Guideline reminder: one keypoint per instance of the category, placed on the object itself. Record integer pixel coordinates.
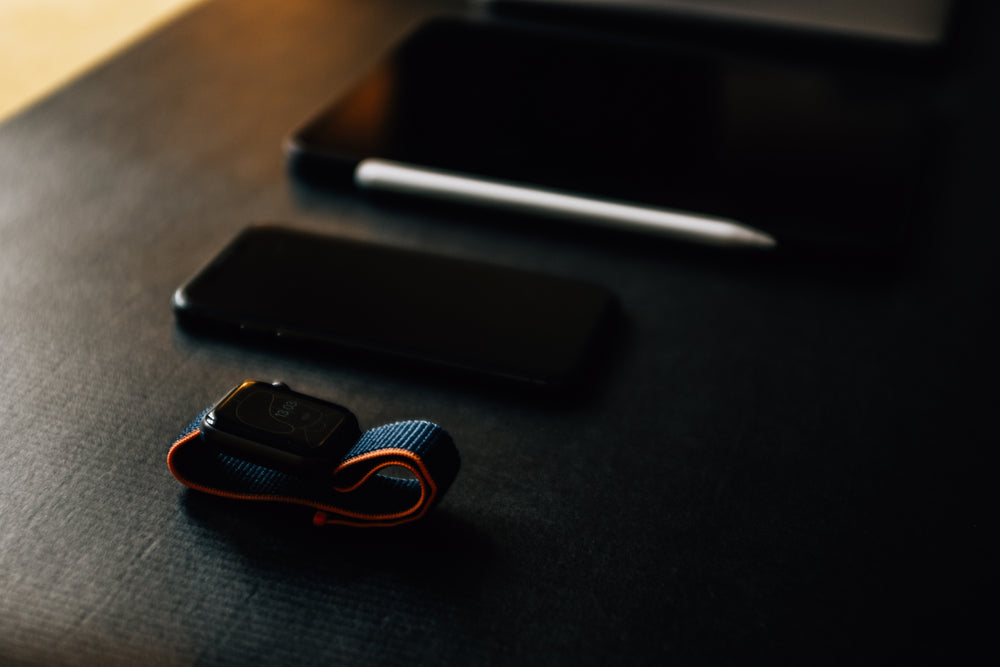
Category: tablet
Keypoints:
(821, 157)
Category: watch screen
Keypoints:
(279, 417)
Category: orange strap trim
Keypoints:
(328, 513)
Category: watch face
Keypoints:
(278, 417)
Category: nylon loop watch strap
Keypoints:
(356, 494)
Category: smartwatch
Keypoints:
(275, 427)
(264, 442)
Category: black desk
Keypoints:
(782, 462)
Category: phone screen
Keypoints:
(311, 289)
(821, 156)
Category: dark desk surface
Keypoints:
(782, 462)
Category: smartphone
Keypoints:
(346, 297)
(825, 156)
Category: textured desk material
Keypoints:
(781, 462)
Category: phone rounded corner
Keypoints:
(179, 301)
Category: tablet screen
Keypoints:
(828, 156)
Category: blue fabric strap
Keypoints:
(392, 475)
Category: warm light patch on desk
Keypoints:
(45, 43)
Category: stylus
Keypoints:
(395, 177)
